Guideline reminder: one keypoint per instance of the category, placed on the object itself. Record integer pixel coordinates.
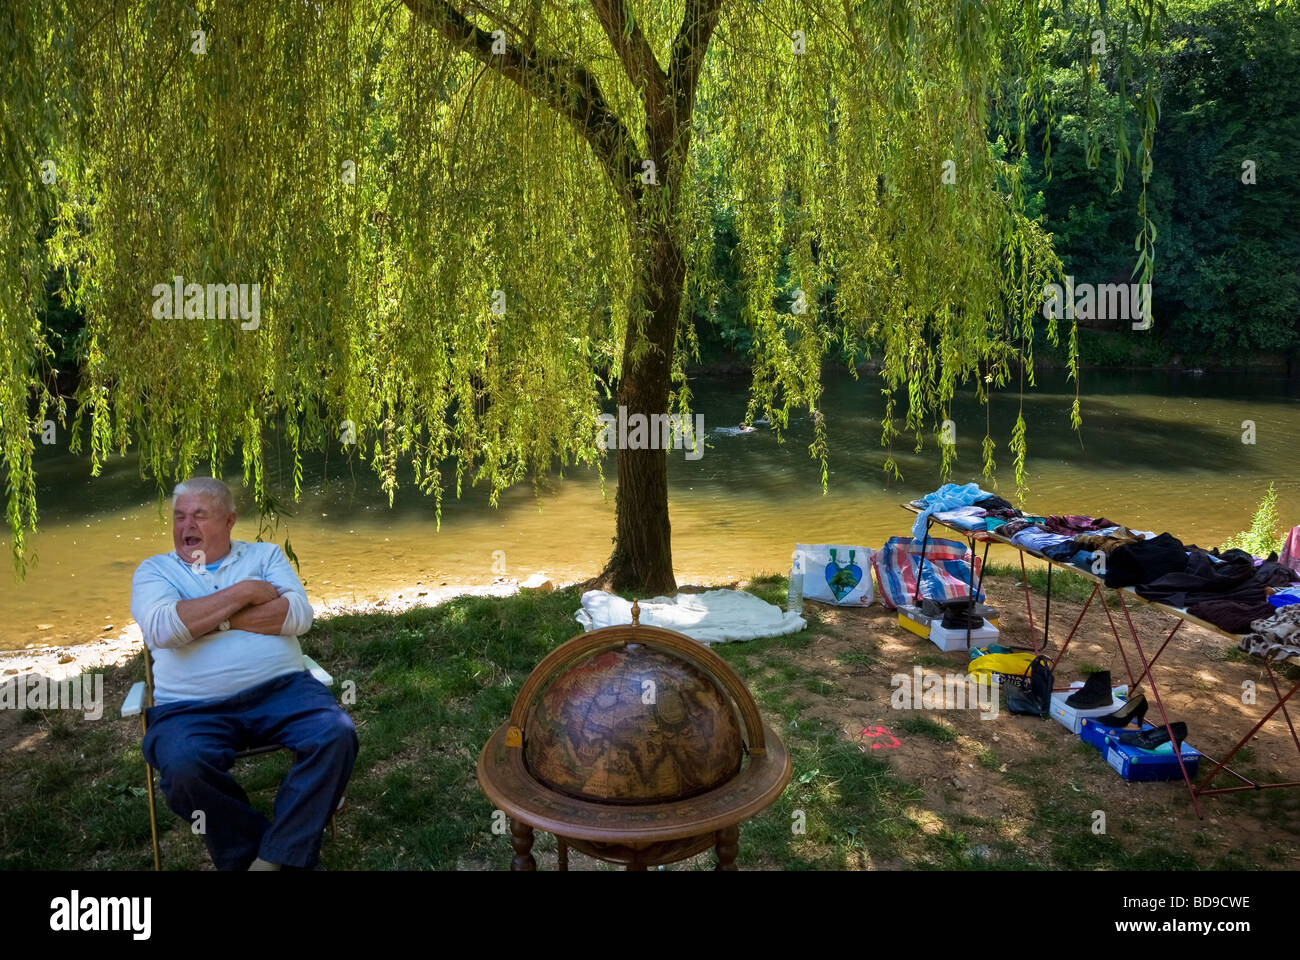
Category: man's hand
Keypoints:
(265, 618)
(257, 591)
(203, 615)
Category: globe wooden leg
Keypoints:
(728, 846)
(562, 853)
(521, 838)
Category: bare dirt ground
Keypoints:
(1001, 767)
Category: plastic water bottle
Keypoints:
(795, 597)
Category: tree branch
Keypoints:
(687, 56)
(628, 41)
(567, 87)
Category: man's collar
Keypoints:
(237, 548)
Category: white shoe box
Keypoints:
(948, 640)
(1072, 719)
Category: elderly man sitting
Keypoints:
(223, 618)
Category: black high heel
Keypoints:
(1134, 708)
(1155, 737)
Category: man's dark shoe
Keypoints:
(1095, 692)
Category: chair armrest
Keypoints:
(134, 702)
(317, 671)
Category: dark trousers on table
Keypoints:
(193, 743)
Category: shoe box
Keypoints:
(912, 619)
(1072, 718)
(947, 639)
(1135, 764)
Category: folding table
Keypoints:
(1181, 616)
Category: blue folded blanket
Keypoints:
(947, 497)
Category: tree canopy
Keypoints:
(472, 223)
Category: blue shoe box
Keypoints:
(1133, 763)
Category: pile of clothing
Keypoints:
(967, 507)
(1276, 637)
(1230, 589)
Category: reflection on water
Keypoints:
(1158, 452)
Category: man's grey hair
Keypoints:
(208, 486)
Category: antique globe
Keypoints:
(635, 745)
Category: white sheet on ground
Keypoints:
(713, 617)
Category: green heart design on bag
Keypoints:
(842, 579)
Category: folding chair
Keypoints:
(140, 697)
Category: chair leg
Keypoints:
(153, 810)
(335, 816)
(153, 817)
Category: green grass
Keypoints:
(1066, 584)
(431, 686)
(919, 723)
(934, 660)
(859, 658)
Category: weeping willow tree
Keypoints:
(461, 227)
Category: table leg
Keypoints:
(728, 846)
(970, 592)
(1281, 702)
(920, 567)
(1223, 764)
(1119, 644)
(1155, 692)
(1047, 614)
(1073, 630)
(561, 853)
(521, 838)
(1029, 607)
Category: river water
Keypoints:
(1156, 451)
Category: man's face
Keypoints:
(201, 528)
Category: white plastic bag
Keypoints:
(836, 574)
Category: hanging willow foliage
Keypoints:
(450, 216)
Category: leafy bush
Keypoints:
(1262, 538)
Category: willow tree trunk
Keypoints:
(643, 556)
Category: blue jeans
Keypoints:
(193, 744)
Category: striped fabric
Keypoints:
(946, 575)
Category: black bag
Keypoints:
(1035, 698)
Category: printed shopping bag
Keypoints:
(836, 574)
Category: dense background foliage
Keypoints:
(1227, 284)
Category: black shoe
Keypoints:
(1155, 737)
(1134, 709)
(1095, 692)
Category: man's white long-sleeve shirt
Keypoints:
(222, 663)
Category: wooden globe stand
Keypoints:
(637, 836)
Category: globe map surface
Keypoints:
(633, 725)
